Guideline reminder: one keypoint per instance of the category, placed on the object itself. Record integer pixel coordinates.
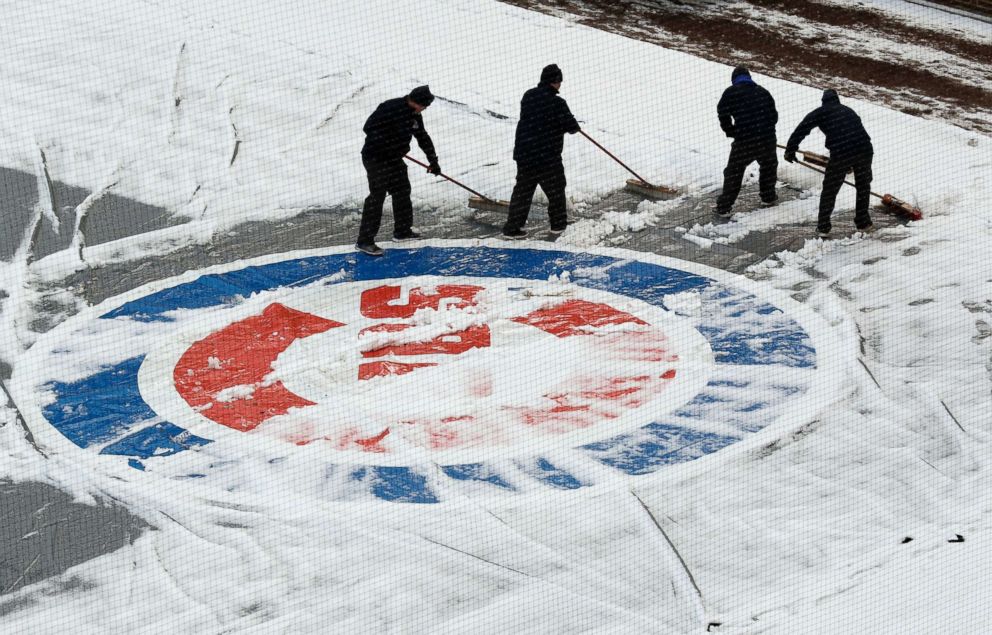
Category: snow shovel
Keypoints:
(894, 205)
(818, 160)
(638, 185)
(479, 201)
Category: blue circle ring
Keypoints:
(770, 353)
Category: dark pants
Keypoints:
(385, 178)
(836, 170)
(551, 178)
(743, 152)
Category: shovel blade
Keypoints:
(820, 160)
(638, 186)
(487, 205)
(813, 158)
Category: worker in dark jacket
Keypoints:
(388, 131)
(747, 115)
(544, 120)
(850, 148)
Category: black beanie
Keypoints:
(422, 95)
(551, 74)
(740, 70)
(830, 96)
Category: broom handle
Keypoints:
(811, 167)
(445, 176)
(612, 156)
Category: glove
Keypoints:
(434, 168)
(790, 156)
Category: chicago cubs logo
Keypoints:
(430, 373)
(437, 368)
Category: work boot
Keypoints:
(515, 234)
(558, 230)
(768, 202)
(723, 213)
(371, 249)
(867, 229)
(405, 236)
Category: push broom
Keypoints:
(479, 201)
(638, 185)
(895, 205)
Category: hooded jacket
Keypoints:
(388, 131)
(747, 111)
(844, 132)
(544, 120)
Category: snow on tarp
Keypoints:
(807, 532)
(233, 370)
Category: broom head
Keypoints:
(651, 191)
(488, 205)
(902, 208)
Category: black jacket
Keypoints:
(389, 129)
(747, 112)
(544, 120)
(845, 135)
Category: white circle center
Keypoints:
(463, 375)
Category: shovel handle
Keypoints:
(613, 156)
(445, 176)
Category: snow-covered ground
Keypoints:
(227, 111)
(916, 59)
